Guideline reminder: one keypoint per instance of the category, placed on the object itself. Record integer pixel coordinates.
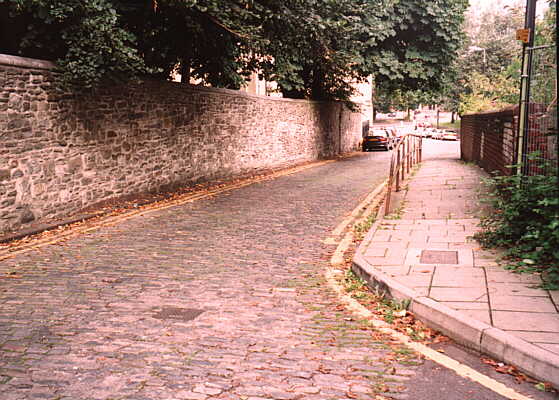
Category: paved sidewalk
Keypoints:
(424, 252)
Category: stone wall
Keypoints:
(61, 152)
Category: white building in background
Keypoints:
(362, 97)
(261, 87)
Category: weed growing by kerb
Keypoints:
(525, 222)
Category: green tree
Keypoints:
(424, 41)
(312, 48)
(488, 64)
(544, 68)
(83, 36)
(412, 64)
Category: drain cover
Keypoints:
(438, 257)
(182, 314)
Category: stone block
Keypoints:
(4, 174)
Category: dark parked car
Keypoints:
(378, 139)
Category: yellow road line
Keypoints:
(150, 208)
(441, 359)
(338, 230)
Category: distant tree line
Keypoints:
(312, 48)
(489, 64)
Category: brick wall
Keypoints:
(489, 139)
(61, 152)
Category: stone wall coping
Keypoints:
(24, 62)
(240, 93)
(31, 63)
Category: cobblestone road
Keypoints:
(218, 299)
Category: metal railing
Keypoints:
(407, 153)
(539, 136)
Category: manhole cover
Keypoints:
(182, 314)
(438, 257)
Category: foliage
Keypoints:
(425, 39)
(526, 223)
(544, 67)
(487, 69)
(483, 93)
(388, 99)
(450, 125)
(311, 48)
(83, 35)
(315, 46)
(490, 61)
(412, 65)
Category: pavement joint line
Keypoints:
(491, 322)
(113, 220)
(441, 359)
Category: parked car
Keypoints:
(449, 135)
(423, 132)
(436, 134)
(379, 139)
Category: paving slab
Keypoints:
(462, 294)
(524, 303)
(530, 321)
(454, 284)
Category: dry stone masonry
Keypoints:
(61, 152)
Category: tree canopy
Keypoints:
(311, 48)
(488, 65)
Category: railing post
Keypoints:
(398, 168)
(417, 155)
(417, 140)
(413, 150)
(408, 153)
(403, 162)
(389, 186)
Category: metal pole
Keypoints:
(529, 23)
(403, 167)
(408, 153)
(398, 169)
(389, 186)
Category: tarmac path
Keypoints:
(222, 298)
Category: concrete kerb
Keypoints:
(469, 332)
(533, 360)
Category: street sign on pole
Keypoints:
(523, 35)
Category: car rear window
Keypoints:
(378, 133)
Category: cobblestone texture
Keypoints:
(62, 152)
(219, 299)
